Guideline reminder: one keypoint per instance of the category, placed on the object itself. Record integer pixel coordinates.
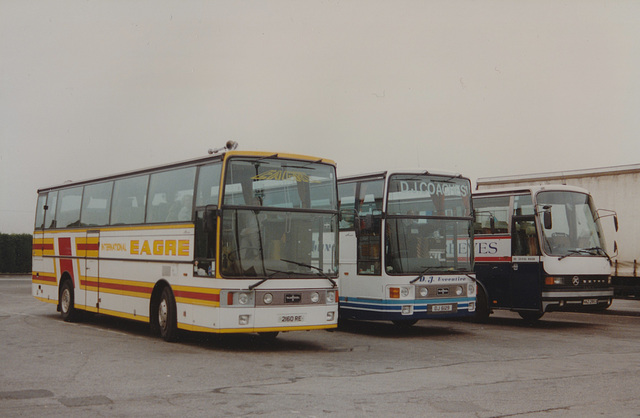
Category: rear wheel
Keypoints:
(166, 315)
(66, 302)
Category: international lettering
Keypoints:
(113, 247)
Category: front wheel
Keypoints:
(166, 315)
(404, 323)
(268, 336)
(482, 307)
(530, 316)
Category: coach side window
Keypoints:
(68, 212)
(50, 215)
(171, 196)
(346, 204)
(96, 204)
(524, 240)
(206, 218)
(369, 207)
(40, 211)
(129, 199)
(491, 215)
(208, 185)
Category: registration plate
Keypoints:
(441, 308)
(291, 319)
(590, 302)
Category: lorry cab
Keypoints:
(539, 249)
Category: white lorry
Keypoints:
(616, 189)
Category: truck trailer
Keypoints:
(616, 190)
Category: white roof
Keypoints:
(402, 171)
(558, 175)
(531, 188)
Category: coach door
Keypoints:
(90, 282)
(525, 283)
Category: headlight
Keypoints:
(404, 292)
(458, 290)
(471, 289)
(315, 297)
(267, 298)
(243, 298)
(424, 292)
(331, 296)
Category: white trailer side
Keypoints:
(614, 188)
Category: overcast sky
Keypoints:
(484, 88)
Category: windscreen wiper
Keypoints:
(274, 272)
(589, 251)
(309, 266)
(570, 253)
(599, 251)
(302, 165)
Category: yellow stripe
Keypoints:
(86, 241)
(51, 251)
(43, 282)
(200, 302)
(119, 228)
(55, 302)
(280, 155)
(141, 318)
(134, 293)
(127, 282)
(197, 328)
(206, 290)
(79, 241)
(196, 301)
(90, 309)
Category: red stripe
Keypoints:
(41, 246)
(88, 283)
(126, 288)
(212, 297)
(494, 259)
(51, 279)
(116, 286)
(88, 247)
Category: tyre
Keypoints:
(530, 316)
(268, 336)
(482, 307)
(404, 323)
(66, 302)
(166, 316)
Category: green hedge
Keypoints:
(15, 253)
